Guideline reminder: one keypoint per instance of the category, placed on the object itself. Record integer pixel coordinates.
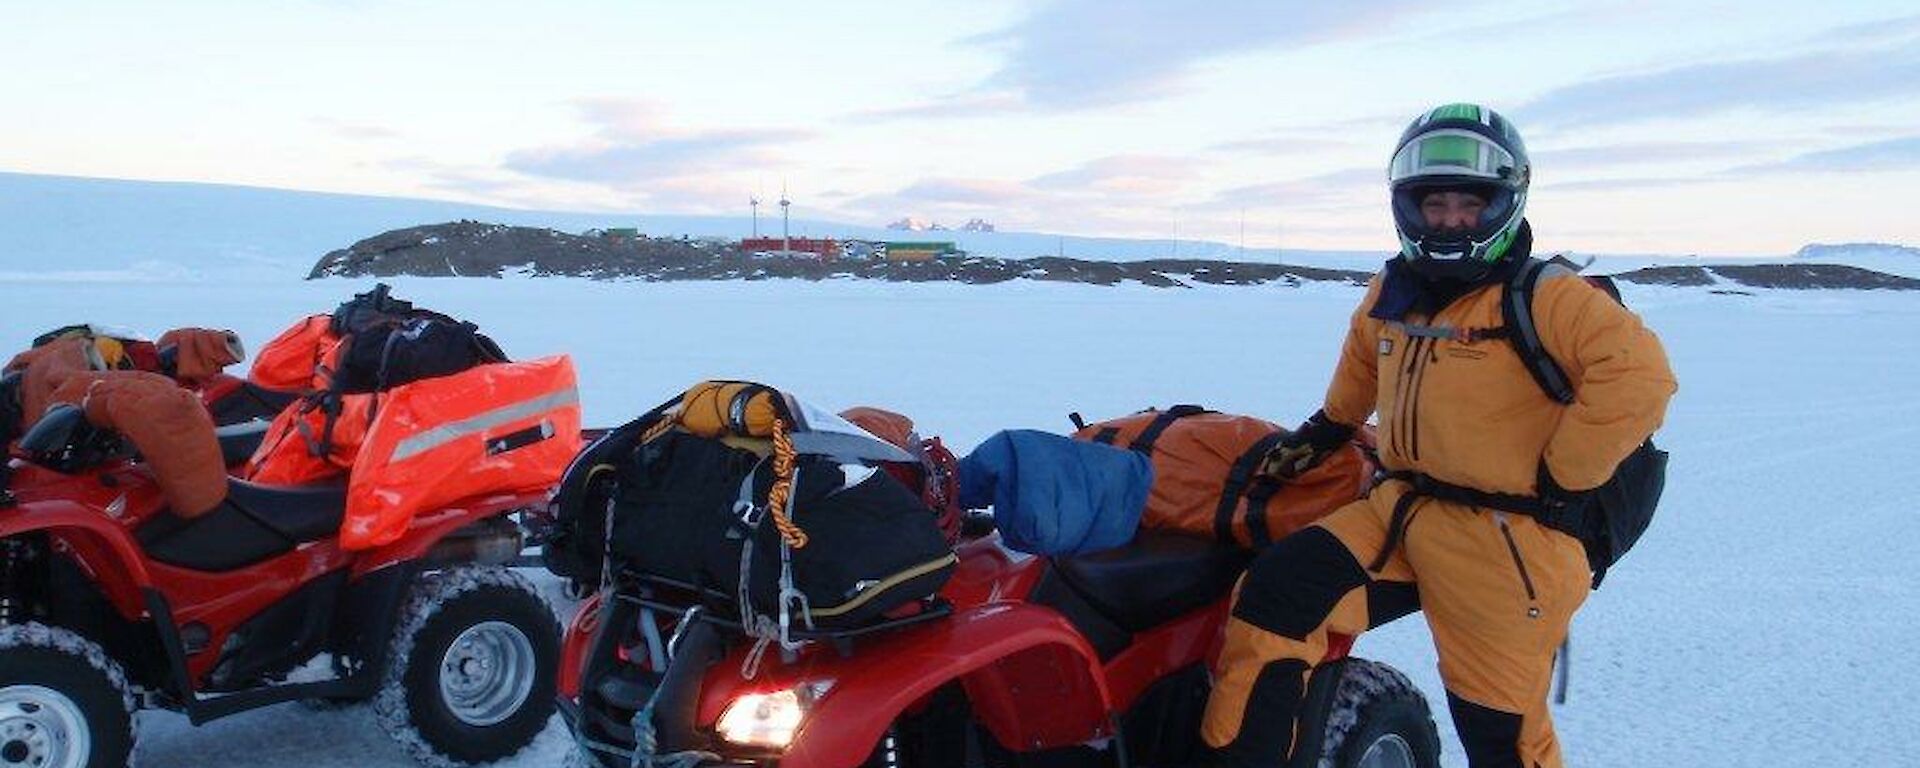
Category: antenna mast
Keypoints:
(786, 245)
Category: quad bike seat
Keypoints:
(254, 523)
(1155, 578)
(250, 402)
(239, 441)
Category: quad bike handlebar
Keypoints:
(65, 442)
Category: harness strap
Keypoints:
(1426, 486)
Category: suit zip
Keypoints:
(1414, 396)
(1402, 428)
(1518, 564)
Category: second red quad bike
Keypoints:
(1098, 659)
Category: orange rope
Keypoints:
(783, 486)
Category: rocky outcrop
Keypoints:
(476, 249)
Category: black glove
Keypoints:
(1305, 447)
(1559, 501)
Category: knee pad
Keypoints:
(1292, 587)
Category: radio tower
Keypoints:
(786, 245)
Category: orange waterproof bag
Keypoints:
(291, 361)
(494, 428)
(1204, 474)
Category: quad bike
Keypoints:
(1096, 660)
(110, 603)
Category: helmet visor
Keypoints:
(1452, 153)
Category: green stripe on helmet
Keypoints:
(1456, 111)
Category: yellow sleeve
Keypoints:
(1355, 387)
(1619, 374)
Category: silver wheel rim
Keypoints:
(42, 728)
(487, 674)
(1388, 751)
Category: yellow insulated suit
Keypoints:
(1498, 589)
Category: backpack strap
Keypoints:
(1516, 310)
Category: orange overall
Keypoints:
(1498, 589)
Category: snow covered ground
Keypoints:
(1767, 618)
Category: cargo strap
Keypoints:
(766, 630)
(1143, 444)
(1238, 478)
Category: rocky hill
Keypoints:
(476, 249)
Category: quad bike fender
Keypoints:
(573, 651)
(1031, 679)
(430, 530)
(99, 544)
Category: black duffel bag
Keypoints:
(684, 507)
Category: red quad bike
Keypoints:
(110, 603)
(1092, 660)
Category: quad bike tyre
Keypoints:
(63, 702)
(470, 678)
(1378, 720)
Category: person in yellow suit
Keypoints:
(1458, 408)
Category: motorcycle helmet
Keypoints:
(1463, 148)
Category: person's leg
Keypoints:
(1499, 591)
(1299, 591)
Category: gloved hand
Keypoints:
(1558, 500)
(1305, 447)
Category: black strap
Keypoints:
(1516, 309)
(1425, 486)
(1106, 435)
(1259, 531)
(1143, 444)
(1238, 477)
(1396, 529)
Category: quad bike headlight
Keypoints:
(769, 720)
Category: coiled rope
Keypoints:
(778, 495)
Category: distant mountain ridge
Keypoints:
(478, 249)
(74, 225)
(60, 227)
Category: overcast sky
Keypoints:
(1676, 127)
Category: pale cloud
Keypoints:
(1892, 155)
(1879, 31)
(634, 145)
(1902, 154)
(1075, 54)
(1802, 81)
(1641, 153)
(946, 107)
(1285, 146)
(1340, 189)
(1627, 183)
(1125, 174)
(356, 131)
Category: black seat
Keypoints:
(1154, 579)
(250, 402)
(239, 441)
(254, 523)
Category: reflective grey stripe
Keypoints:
(473, 425)
(1426, 331)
